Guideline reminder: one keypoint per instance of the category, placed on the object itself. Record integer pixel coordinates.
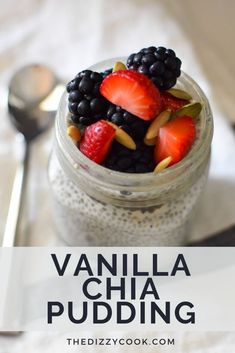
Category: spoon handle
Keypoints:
(15, 207)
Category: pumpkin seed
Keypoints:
(179, 93)
(163, 164)
(119, 66)
(123, 138)
(157, 123)
(150, 142)
(192, 109)
(74, 133)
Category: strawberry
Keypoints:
(171, 102)
(175, 139)
(133, 92)
(97, 140)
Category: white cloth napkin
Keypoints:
(71, 35)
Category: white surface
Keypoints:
(71, 35)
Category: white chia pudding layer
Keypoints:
(84, 221)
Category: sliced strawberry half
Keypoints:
(175, 139)
(171, 102)
(97, 140)
(133, 92)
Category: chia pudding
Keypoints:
(96, 205)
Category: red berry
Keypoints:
(175, 139)
(97, 140)
(171, 102)
(133, 92)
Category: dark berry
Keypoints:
(124, 163)
(117, 119)
(160, 50)
(178, 63)
(84, 73)
(168, 74)
(158, 81)
(86, 85)
(139, 128)
(130, 123)
(95, 76)
(125, 160)
(85, 100)
(157, 68)
(75, 96)
(129, 118)
(148, 59)
(106, 72)
(177, 72)
(136, 155)
(170, 52)
(170, 83)
(130, 170)
(83, 108)
(160, 64)
(96, 90)
(128, 129)
(143, 69)
(137, 58)
(130, 60)
(73, 108)
(160, 57)
(111, 110)
(85, 121)
(72, 85)
(98, 105)
(75, 119)
(140, 168)
(170, 63)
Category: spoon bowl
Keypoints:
(28, 88)
(33, 97)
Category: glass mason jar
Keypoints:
(96, 206)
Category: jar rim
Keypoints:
(79, 163)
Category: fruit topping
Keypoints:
(171, 102)
(163, 164)
(133, 92)
(130, 123)
(85, 101)
(106, 72)
(175, 139)
(150, 142)
(131, 119)
(123, 159)
(123, 138)
(192, 109)
(97, 140)
(179, 93)
(119, 66)
(74, 133)
(160, 64)
(157, 123)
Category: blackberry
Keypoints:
(85, 101)
(161, 65)
(130, 123)
(106, 72)
(122, 159)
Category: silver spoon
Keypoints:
(34, 93)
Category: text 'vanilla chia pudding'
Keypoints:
(131, 152)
